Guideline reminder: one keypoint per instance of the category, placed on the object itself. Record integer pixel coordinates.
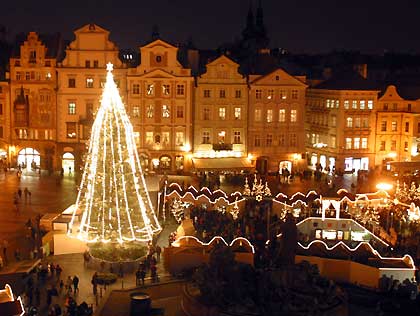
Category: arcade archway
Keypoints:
(67, 163)
(29, 158)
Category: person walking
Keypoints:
(19, 193)
(25, 193)
(158, 252)
(75, 283)
(69, 282)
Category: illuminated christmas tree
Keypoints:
(113, 195)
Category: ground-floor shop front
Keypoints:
(281, 164)
(329, 162)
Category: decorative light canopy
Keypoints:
(113, 195)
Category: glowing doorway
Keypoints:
(68, 164)
(29, 158)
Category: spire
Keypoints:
(249, 30)
(261, 32)
(155, 33)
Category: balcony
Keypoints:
(222, 146)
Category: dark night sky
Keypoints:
(298, 25)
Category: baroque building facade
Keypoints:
(160, 96)
(276, 122)
(220, 116)
(80, 77)
(33, 104)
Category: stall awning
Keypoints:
(222, 164)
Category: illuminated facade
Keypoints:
(6, 149)
(160, 94)
(80, 81)
(397, 128)
(221, 111)
(33, 105)
(340, 123)
(276, 121)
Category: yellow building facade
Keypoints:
(220, 112)
(340, 129)
(160, 95)
(33, 106)
(80, 78)
(276, 109)
(396, 128)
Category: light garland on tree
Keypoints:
(113, 194)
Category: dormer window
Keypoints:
(158, 59)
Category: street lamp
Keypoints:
(384, 186)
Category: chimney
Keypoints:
(361, 69)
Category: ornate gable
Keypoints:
(278, 77)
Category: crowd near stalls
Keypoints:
(377, 219)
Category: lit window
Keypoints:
(71, 130)
(354, 104)
(136, 111)
(362, 104)
(166, 89)
(337, 104)
(370, 104)
(393, 145)
(237, 113)
(258, 94)
(382, 145)
(333, 120)
(136, 88)
(383, 126)
(165, 138)
(394, 126)
(149, 137)
(180, 89)
(257, 115)
(356, 143)
(238, 94)
(348, 143)
(206, 137)
(179, 139)
(48, 76)
(72, 108)
(333, 141)
(206, 114)
(294, 94)
(150, 111)
(237, 137)
(222, 113)
(221, 137)
(293, 116)
(357, 122)
(269, 140)
(179, 111)
(270, 94)
(269, 116)
(364, 143)
(89, 82)
(327, 103)
(222, 93)
(283, 94)
(349, 121)
(346, 104)
(165, 111)
(207, 93)
(406, 146)
(150, 90)
(282, 115)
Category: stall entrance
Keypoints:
(67, 163)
